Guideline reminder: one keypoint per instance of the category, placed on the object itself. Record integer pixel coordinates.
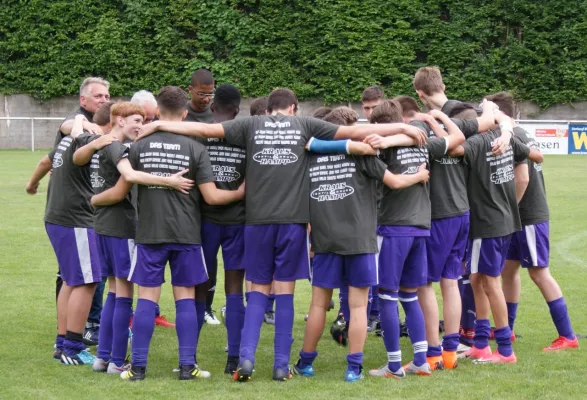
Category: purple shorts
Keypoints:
(276, 251)
(118, 255)
(402, 262)
(232, 240)
(446, 247)
(77, 254)
(531, 246)
(334, 271)
(487, 256)
(186, 262)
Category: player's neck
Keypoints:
(197, 108)
(118, 134)
(436, 101)
(218, 117)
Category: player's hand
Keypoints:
(436, 114)
(423, 173)
(102, 142)
(416, 133)
(148, 129)
(91, 128)
(362, 149)
(32, 189)
(501, 144)
(179, 183)
(489, 106)
(376, 141)
(428, 118)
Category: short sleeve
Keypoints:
(371, 166)
(116, 152)
(84, 139)
(133, 155)
(237, 131)
(437, 146)
(51, 154)
(521, 151)
(203, 167)
(422, 125)
(318, 128)
(471, 150)
(469, 127)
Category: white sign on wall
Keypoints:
(552, 138)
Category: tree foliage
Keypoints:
(329, 49)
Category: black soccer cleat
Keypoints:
(189, 372)
(231, 365)
(134, 374)
(339, 334)
(403, 330)
(281, 375)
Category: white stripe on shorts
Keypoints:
(83, 252)
(204, 262)
(132, 253)
(531, 239)
(475, 254)
(379, 244)
(308, 253)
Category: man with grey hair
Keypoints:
(149, 103)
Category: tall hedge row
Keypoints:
(320, 48)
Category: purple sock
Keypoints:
(560, 317)
(503, 338)
(343, 297)
(200, 314)
(375, 306)
(434, 351)
(307, 358)
(247, 295)
(390, 329)
(235, 319)
(512, 311)
(416, 326)
(450, 342)
(370, 303)
(270, 302)
(468, 315)
(482, 330)
(120, 321)
(73, 343)
(143, 325)
(354, 361)
(186, 323)
(59, 342)
(105, 335)
(284, 318)
(254, 313)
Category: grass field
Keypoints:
(27, 330)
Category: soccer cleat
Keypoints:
(422, 370)
(331, 305)
(231, 365)
(351, 376)
(441, 326)
(243, 372)
(281, 375)
(57, 354)
(91, 334)
(134, 374)
(161, 320)
(403, 330)
(99, 365)
(307, 371)
(449, 359)
(474, 353)
(189, 372)
(462, 348)
(269, 317)
(339, 321)
(373, 324)
(339, 334)
(497, 358)
(115, 369)
(81, 358)
(385, 372)
(210, 318)
(435, 363)
(562, 343)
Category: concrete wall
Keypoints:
(17, 134)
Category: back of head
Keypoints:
(429, 80)
(409, 106)
(227, 100)
(505, 102)
(259, 106)
(373, 93)
(84, 87)
(321, 112)
(125, 109)
(347, 115)
(281, 99)
(144, 97)
(172, 101)
(202, 77)
(102, 115)
(390, 111)
(334, 118)
(463, 111)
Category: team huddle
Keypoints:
(380, 211)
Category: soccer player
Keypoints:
(343, 213)
(259, 106)
(169, 230)
(202, 94)
(494, 217)
(371, 98)
(321, 112)
(276, 213)
(68, 221)
(530, 246)
(146, 99)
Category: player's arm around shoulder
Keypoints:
(403, 181)
(175, 181)
(84, 154)
(111, 196)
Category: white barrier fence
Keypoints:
(553, 136)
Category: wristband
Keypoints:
(328, 146)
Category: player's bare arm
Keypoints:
(175, 181)
(84, 154)
(522, 179)
(114, 195)
(194, 129)
(215, 196)
(360, 132)
(42, 169)
(395, 182)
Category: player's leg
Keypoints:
(211, 239)
(510, 278)
(103, 353)
(62, 301)
(468, 312)
(269, 311)
(92, 328)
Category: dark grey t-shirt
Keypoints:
(118, 220)
(448, 186)
(228, 164)
(81, 110)
(533, 206)
(490, 186)
(70, 189)
(166, 215)
(343, 203)
(449, 105)
(205, 116)
(278, 183)
(409, 206)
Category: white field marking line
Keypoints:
(563, 249)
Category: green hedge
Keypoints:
(320, 48)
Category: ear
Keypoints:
(443, 88)
(236, 111)
(212, 108)
(120, 121)
(185, 114)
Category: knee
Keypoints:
(539, 275)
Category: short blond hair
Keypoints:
(83, 89)
(429, 80)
